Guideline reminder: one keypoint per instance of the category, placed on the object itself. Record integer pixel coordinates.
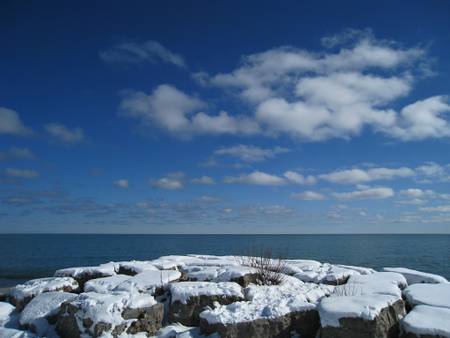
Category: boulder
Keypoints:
(188, 299)
(42, 311)
(426, 322)
(366, 316)
(132, 268)
(416, 277)
(83, 274)
(8, 315)
(22, 294)
(94, 314)
(428, 294)
(105, 284)
(149, 281)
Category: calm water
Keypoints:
(27, 256)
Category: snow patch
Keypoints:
(148, 281)
(37, 286)
(181, 292)
(428, 294)
(415, 277)
(428, 320)
(105, 284)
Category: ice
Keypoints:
(428, 320)
(415, 277)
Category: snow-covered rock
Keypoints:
(200, 273)
(390, 277)
(134, 267)
(83, 274)
(116, 313)
(42, 310)
(429, 321)
(105, 284)
(428, 294)
(415, 277)
(188, 299)
(13, 333)
(21, 294)
(326, 274)
(149, 281)
(360, 316)
(8, 315)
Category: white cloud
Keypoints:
(209, 199)
(295, 177)
(440, 208)
(174, 111)
(64, 134)
(173, 181)
(206, 180)
(138, 52)
(17, 153)
(122, 183)
(355, 176)
(256, 178)
(366, 193)
(431, 169)
(11, 124)
(21, 173)
(250, 153)
(417, 193)
(309, 196)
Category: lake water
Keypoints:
(29, 256)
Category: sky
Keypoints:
(225, 117)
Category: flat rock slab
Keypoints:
(428, 294)
(149, 281)
(370, 316)
(427, 322)
(42, 311)
(189, 299)
(416, 277)
(22, 294)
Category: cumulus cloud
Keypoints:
(173, 181)
(366, 193)
(206, 180)
(10, 123)
(21, 173)
(417, 193)
(64, 134)
(138, 52)
(121, 183)
(295, 177)
(17, 153)
(308, 196)
(440, 208)
(178, 113)
(355, 176)
(250, 153)
(256, 178)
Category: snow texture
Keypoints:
(105, 284)
(181, 292)
(428, 320)
(149, 281)
(428, 294)
(415, 277)
(35, 287)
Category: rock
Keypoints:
(428, 294)
(105, 284)
(42, 311)
(188, 299)
(326, 274)
(415, 277)
(134, 267)
(83, 274)
(22, 294)
(426, 322)
(113, 314)
(149, 281)
(370, 316)
(380, 277)
(8, 315)
(4, 292)
(305, 323)
(13, 333)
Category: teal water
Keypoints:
(28, 256)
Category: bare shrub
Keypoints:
(349, 289)
(269, 270)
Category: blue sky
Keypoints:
(225, 117)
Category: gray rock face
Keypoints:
(246, 280)
(306, 323)
(188, 314)
(385, 325)
(148, 319)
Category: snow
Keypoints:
(105, 270)
(108, 308)
(415, 277)
(201, 273)
(6, 313)
(181, 292)
(428, 294)
(326, 273)
(428, 320)
(232, 272)
(181, 331)
(387, 283)
(174, 262)
(136, 266)
(42, 306)
(149, 281)
(13, 333)
(294, 266)
(367, 307)
(390, 277)
(37, 286)
(105, 284)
